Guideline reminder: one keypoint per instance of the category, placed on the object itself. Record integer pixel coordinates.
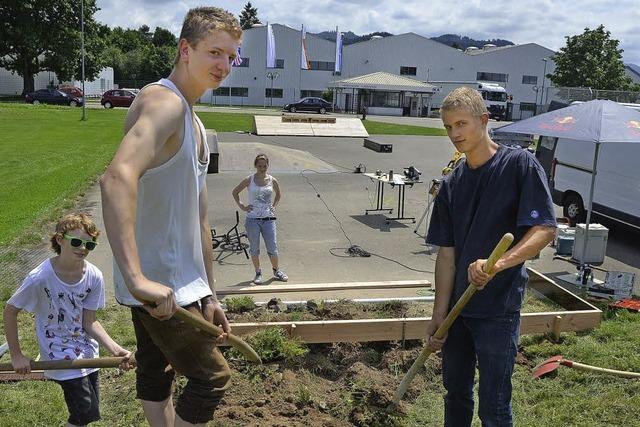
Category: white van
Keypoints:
(568, 164)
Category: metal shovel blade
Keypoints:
(547, 366)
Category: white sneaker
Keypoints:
(280, 275)
(257, 280)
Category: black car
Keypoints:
(53, 96)
(318, 105)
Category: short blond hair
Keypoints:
(465, 98)
(202, 20)
(73, 221)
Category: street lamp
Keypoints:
(272, 75)
(544, 76)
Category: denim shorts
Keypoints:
(82, 396)
(267, 228)
(169, 346)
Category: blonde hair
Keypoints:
(202, 20)
(260, 156)
(73, 221)
(465, 98)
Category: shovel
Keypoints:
(199, 322)
(500, 249)
(550, 365)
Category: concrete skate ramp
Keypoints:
(239, 156)
(344, 126)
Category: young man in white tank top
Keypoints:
(154, 200)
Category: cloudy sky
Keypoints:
(545, 22)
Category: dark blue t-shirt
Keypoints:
(474, 208)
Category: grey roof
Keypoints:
(481, 51)
(385, 81)
(635, 69)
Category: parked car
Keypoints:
(318, 105)
(53, 96)
(117, 98)
(71, 91)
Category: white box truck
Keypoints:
(569, 163)
(494, 95)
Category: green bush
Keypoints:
(239, 304)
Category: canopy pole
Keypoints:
(586, 231)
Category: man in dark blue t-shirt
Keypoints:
(494, 191)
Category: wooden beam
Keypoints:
(12, 376)
(397, 329)
(556, 293)
(323, 287)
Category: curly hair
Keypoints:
(73, 221)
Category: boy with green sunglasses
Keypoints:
(64, 293)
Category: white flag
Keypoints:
(338, 66)
(271, 48)
(304, 58)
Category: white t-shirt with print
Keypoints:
(57, 307)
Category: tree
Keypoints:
(44, 35)
(249, 16)
(591, 59)
(139, 56)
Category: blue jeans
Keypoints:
(492, 343)
(255, 228)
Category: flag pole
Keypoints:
(299, 94)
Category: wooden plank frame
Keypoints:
(322, 287)
(579, 316)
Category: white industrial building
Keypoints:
(520, 69)
(12, 83)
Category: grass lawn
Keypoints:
(380, 128)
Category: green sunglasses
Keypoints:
(77, 242)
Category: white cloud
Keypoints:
(545, 22)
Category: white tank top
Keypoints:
(168, 219)
(260, 197)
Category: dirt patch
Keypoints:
(333, 385)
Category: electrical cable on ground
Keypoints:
(353, 250)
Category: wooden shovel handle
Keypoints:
(44, 365)
(247, 351)
(583, 367)
(498, 251)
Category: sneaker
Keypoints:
(258, 278)
(280, 275)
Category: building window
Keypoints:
(244, 63)
(408, 71)
(385, 99)
(529, 80)
(242, 92)
(492, 77)
(221, 91)
(279, 63)
(273, 93)
(308, 93)
(322, 65)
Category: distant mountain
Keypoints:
(463, 42)
(453, 40)
(635, 68)
(350, 37)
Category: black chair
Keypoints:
(231, 240)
